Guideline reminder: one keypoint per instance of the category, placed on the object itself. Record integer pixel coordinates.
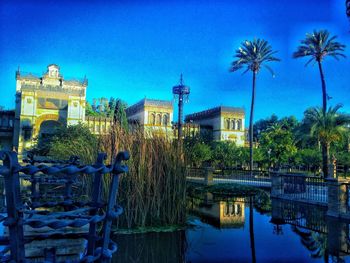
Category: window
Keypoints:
(165, 120)
(159, 119)
(233, 126)
(152, 119)
(227, 124)
(239, 124)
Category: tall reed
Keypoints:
(153, 192)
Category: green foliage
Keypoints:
(328, 128)
(278, 144)
(73, 140)
(343, 158)
(288, 123)
(102, 107)
(311, 159)
(119, 114)
(225, 154)
(198, 154)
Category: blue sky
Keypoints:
(133, 49)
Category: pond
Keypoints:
(232, 230)
(222, 229)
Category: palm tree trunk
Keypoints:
(251, 126)
(251, 229)
(324, 91)
(325, 159)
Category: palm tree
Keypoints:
(253, 55)
(317, 46)
(327, 128)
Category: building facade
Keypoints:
(225, 123)
(153, 116)
(44, 103)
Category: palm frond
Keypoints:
(318, 45)
(253, 55)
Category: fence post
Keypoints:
(96, 200)
(337, 237)
(113, 210)
(337, 197)
(277, 181)
(14, 220)
(208, 175)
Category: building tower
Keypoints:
(181, 93)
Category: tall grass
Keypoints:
(153, 192)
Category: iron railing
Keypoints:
(259, 178)
(70, 213)
(301, 187)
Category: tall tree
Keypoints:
(328, 128)
(253, 55)
(317, 46)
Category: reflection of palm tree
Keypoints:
(315, 242)
(251, 229)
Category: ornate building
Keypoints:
(45, 102)
(225, 123)
(153, 116)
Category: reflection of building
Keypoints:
(152, 115)
(222, 213)
(225, 123)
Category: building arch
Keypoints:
(239, 124)
(233, 124)
(44, 118)
(159, 119)
(165, 119)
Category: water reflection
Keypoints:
(151, 247)
(233, 230)
(229, 213)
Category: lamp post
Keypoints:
(181, 93)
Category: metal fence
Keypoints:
(301, 187)
(256, 178)
(195, 174)
(68, 214)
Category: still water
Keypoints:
(233, 231)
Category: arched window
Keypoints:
(152, 119)
(239, 124)
(159, 119)
(165, 120)
(227, 124)
(233, 124)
